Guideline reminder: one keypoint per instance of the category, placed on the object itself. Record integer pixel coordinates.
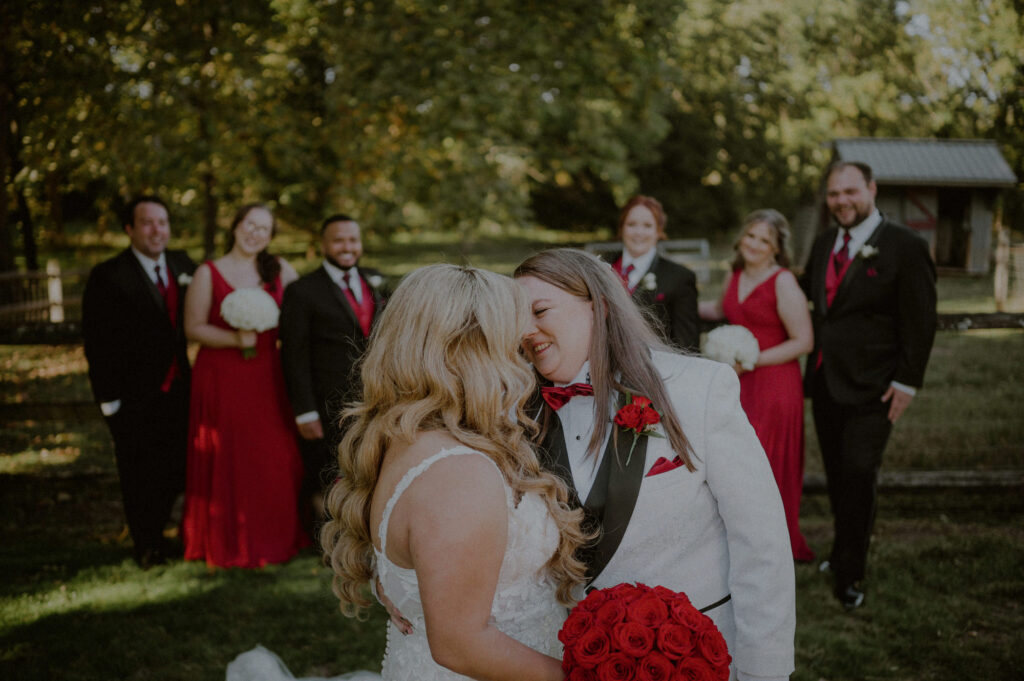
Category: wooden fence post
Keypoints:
(54, 291)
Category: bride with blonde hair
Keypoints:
(441, 496)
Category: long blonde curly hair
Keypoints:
(444, 356)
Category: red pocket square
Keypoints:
(663, 465)
(659, 297)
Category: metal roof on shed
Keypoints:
(933, 162)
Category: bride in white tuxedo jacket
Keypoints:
(694, 506)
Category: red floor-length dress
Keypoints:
(244, 467)
(773, 398)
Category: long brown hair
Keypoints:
(443, 356)
(267, 265)
(620, 343)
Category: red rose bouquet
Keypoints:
(636, 632)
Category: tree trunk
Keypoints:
(209, 216)
(6, 153)
(28, 235)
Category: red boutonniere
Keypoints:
(639, 416)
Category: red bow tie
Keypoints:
(557, 397)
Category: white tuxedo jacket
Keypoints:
(716, 532)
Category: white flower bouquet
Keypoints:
(250, 309)
(732, 345)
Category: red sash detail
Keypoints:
(171, 302)
(364, 310)
(832, 281)
(833, 278)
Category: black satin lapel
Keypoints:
(555, 457)
(623, 489)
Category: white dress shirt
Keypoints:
(149, 265)
(346, 279)
(640, 265)
(577, 418)
(859, 234)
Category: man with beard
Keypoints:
(326, 318)
(871, 283)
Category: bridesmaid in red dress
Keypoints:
(763, 296)
(244, 468)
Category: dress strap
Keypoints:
(415, 472)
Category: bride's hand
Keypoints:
(402, 624)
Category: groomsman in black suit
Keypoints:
(326, 318)
(665, 288)
(139, 370)
(871, 283)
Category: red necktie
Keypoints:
(161, 285)
(558, 397)
(843, 254)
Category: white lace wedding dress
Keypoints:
(524, 605)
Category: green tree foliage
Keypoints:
(427, 115)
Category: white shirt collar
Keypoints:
(338, 275)
(149, 264)
(640, 264)
(860, 233)
(582, 377)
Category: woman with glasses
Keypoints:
(244, 468)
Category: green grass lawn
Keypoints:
(945, 584)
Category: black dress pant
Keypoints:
(852, 439)
(150, 444)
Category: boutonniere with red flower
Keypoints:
(639, 416)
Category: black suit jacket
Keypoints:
(321, 342)
(882, 321)
(129, 340)
(673, 301)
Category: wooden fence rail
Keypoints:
(33, 298)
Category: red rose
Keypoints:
(627, 593)
(668, 595)
(568, 661)
(594, 600)
(610, 613)
(648, 416)
(655, 667)
(686, 614)
(578, 674)
(633, 638)
(649, 611)
(712, 646)
(694, 669)
(617, 667)
(591, 648)
(641, 402)
(629, 417)
(579, 620)
(675, 640)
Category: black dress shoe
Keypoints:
(150, 558)
(851, 597)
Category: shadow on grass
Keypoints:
(184, 622)
(945, 592)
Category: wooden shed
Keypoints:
(946, 189)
